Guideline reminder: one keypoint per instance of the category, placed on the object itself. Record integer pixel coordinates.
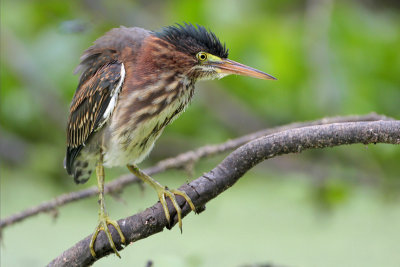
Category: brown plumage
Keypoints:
(133, 83)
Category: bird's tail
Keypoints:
(78, 165)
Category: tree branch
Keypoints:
(173, 163)
(225, 174)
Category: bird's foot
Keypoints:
(104, 221)
(164, 192)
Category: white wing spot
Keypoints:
(114, 97)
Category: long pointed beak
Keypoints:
(227, 66)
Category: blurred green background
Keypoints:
(331, 207)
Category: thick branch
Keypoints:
(225, 174)
(171, 163)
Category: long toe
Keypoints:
(162, 193)
(161, 197)
(165, 192)
(116, 226)
(103, 226)
(176, 206)
(186, 197)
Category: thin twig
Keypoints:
(225, 174)
(179, 161)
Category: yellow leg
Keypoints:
(163, 192)
(104, 221)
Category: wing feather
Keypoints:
(92, 106)
(102, 72)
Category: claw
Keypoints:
(164, 192)
(163, 202)
(186, 197)
(103, 226)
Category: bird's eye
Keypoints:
(201, 56)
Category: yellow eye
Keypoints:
(201, 56)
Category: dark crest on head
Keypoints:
(192, 40)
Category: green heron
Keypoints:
(133, 83)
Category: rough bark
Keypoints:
(225, 174)
(183, 160)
